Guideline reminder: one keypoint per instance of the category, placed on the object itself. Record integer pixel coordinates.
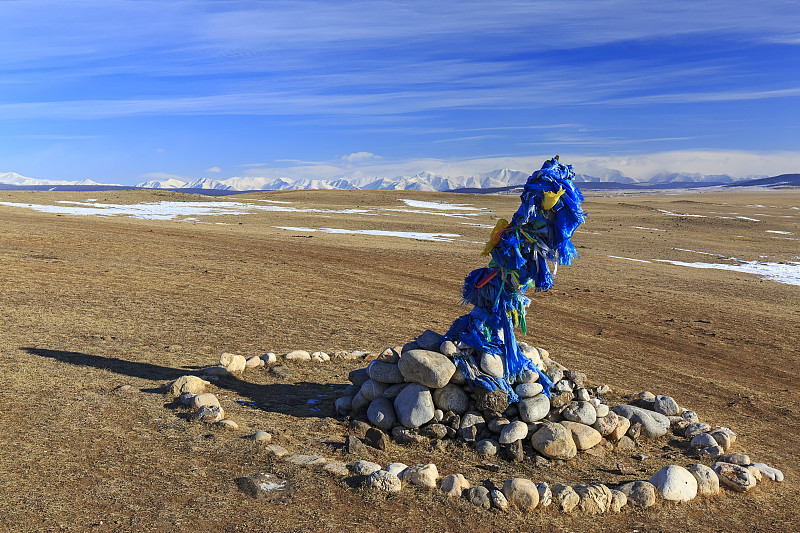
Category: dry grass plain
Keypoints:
(91, 303)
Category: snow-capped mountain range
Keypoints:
(424, 181)
(12, 178)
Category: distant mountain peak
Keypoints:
(12, 178)
(207, 183)
(169, 183)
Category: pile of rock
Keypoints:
(190, 391)
(415, 393)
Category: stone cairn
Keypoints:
(478, 385)
(577, 419)
(415, 394)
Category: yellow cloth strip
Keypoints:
(497, 232)
(552, 198)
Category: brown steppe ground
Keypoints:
(89, 304)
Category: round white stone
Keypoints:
(675, 483)
(513, 431)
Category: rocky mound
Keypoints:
(413, 395)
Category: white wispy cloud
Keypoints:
(359, 156)
(713, 96)
(734, 163)
(468, 138)
(553, 24)
(596, 140)
(215, 170)
(469, 66)
(239, 31)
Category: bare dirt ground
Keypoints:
(90, 303)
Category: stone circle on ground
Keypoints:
(415, 395)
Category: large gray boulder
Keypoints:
(188, 385)
(594, 498)
(358, 376)
(528, 390)
(492, 364)
(554, 441)
(605, 425)
(384, 372)
(521, 493)
(534, 409)
(451, 398)
(653, 424)
(431, 369)
(454, 485)
(666, 406)
(384, 481)
(429, 340)
(565, 497)
(735, 477)
(707, 480)
(582, 412)
(639, 493)
(381, 414)
(372, 389)
(585, 437)
(414, 405)
(392, 391)
(513, 431)
(675, 483)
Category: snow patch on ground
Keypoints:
(650, 229)
(788, 273)
(147, 211)
(271, 201)
(166, 210)
(702, 253)
(444, 206)
(442, 237)
(629, 259)
(170, 210)
(670, 213)
(469, 216)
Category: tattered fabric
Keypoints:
(540, 231)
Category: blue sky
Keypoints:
(124, 91)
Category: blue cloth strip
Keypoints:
(518, 262)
